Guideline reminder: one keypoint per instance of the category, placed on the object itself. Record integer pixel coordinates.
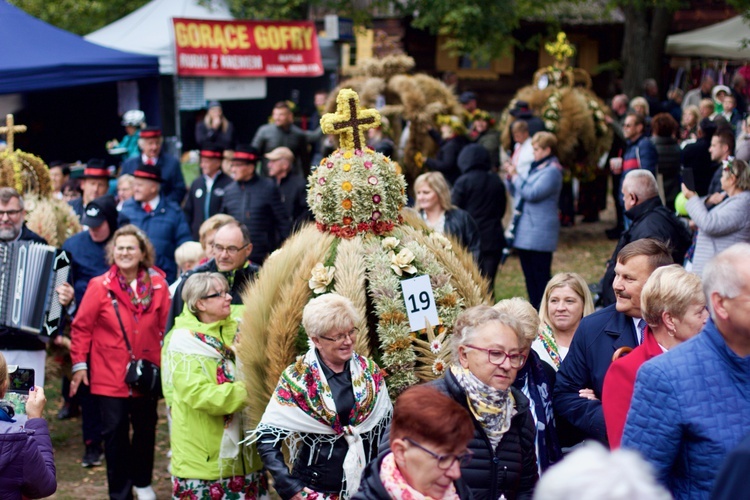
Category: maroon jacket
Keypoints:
(27, 463)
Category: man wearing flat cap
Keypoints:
(292, 186)
(204, 198)
(522, 111)
(256, 202)
(160, 218)
(151, 142)
(95, 183)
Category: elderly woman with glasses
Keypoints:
(207, 397)
(488, 347)
(330, 408)
(428, 439)
(726, 223)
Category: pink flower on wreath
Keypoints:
(236, 484)
(376, 215)
(329, 164)
(358, 152)
(372, 180)
(376, 198)
(368, 165)
(216, 491)
(322, 181)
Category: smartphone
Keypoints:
(688, 178)
(21, 380)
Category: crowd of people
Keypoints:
(158, 275)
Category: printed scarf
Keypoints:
(550, 344)
(302, 411)
(532, 381)
(141, 298)
(399, 489)
(491, 407)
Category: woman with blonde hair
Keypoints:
(215, 128)
(565, 302)
(674, 306)
(435, 206)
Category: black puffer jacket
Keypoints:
(371, 487)
(651, 219)
(511, 470)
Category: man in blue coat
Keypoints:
(690, 405)
(151, 143)
(578, 388)
(160, 218)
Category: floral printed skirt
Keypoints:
(254, 486)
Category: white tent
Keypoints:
(149, 30)
(723, 40)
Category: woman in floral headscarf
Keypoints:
(206, 398)
(329, 407)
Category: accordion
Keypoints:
(29, 274)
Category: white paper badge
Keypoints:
(420, 302)
(198, 193)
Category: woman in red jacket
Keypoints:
(139, 293)
(674, 306)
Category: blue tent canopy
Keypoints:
(38, 56)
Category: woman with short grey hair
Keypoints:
(317, 412)
(207, 396)
(488, 351)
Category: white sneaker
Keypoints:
(145, 493)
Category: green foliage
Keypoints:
(79, 16)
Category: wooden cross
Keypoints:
(350, 121)
(9, 129)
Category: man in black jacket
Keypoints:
(698, 157)
(19, 348)
(256, 202)
(651, 219)
(231, 249)
(204, 198)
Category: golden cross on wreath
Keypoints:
(350, 121)
(9, 129)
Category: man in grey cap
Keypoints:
(292, 186)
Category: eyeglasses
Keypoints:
(10, 213)
(339, 339)
(498, 357)
(231, 250)
(445, 462)
(222, 293)
(126, 249)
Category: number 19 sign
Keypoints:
(420, 302)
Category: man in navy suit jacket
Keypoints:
(578, 388)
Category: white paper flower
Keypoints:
(320, 277)
(390, 243)
(401, 262)
(442, 240)
(435, 346)
(438, 367)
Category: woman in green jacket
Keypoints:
(207, 398)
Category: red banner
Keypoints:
(246, 48)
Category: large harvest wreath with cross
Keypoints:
(363, 245)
